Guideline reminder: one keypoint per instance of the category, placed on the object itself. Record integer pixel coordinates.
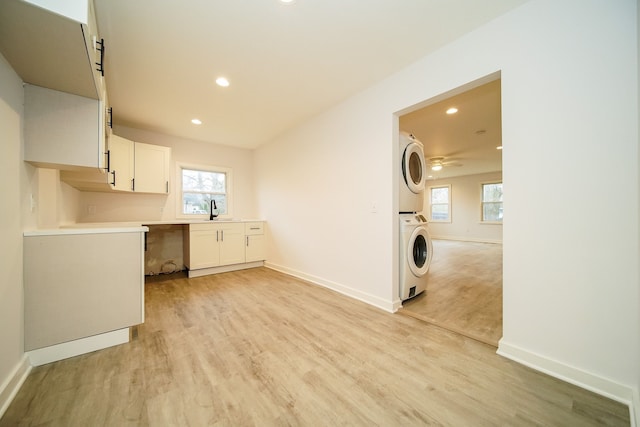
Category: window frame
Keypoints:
(204, 168)
(450, 210)
(482, 202)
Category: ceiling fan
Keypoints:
(437, 163)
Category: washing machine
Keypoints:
(416, 251)
(412, 174)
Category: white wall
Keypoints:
(466, 210)
(570, 104)
(133, 207)
(11, 299)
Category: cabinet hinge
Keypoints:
(100, 65)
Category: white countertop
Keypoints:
(121, 227)
(86, 230)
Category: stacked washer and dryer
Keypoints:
(415, 242)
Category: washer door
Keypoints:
(413, 167)
(419, 251)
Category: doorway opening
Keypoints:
(461, 132)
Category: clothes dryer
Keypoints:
(412, 174)
(416, 252)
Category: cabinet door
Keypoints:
(62, 131)
(255, 247)
(232, 244)
(120, 163)
(204, 249)
(151, 170)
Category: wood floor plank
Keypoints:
(260, 348)
(464, 290)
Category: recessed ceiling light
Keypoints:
(452, 110)
(287, 1)
(499, 147)
(196, 121)
(221, 81)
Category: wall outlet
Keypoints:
(32, 203)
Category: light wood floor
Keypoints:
(464, 292)
(257, 347)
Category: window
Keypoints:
(199, 186)
(440, 202)
(492, 202)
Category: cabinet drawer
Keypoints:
(203, 227)
(251, 228)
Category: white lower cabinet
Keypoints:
(255, 244)
(209, 247)
(232, 244)
(202, 248)
(80, 284)
(213, 245)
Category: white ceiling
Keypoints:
(285, 63)
(467, 139)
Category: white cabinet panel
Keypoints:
(121, 166)
(232, 244)
(80, 285)
(151, 170)
(203, 249)
(256, 248)
(50, 44)
(63, 131)
(255, 243)
(214, 244)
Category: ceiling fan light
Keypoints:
(436, 167)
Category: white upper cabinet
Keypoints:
(151, 170)
(63, 131)
(131, 167)
(121, 155)
(53, 44)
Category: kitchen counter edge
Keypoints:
(85, 230)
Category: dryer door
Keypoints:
(414, 167)
(419, 251)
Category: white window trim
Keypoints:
(482, 184)
(447, 221)
(208, 168)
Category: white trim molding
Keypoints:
(12, 384)
(389, 306)
(605, 387)
(65, 350)
(464, 239)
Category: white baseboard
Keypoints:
(65, 350)
(389, 306)
(12, 384)
(465, 239)
(223, 269)
(602, 386)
